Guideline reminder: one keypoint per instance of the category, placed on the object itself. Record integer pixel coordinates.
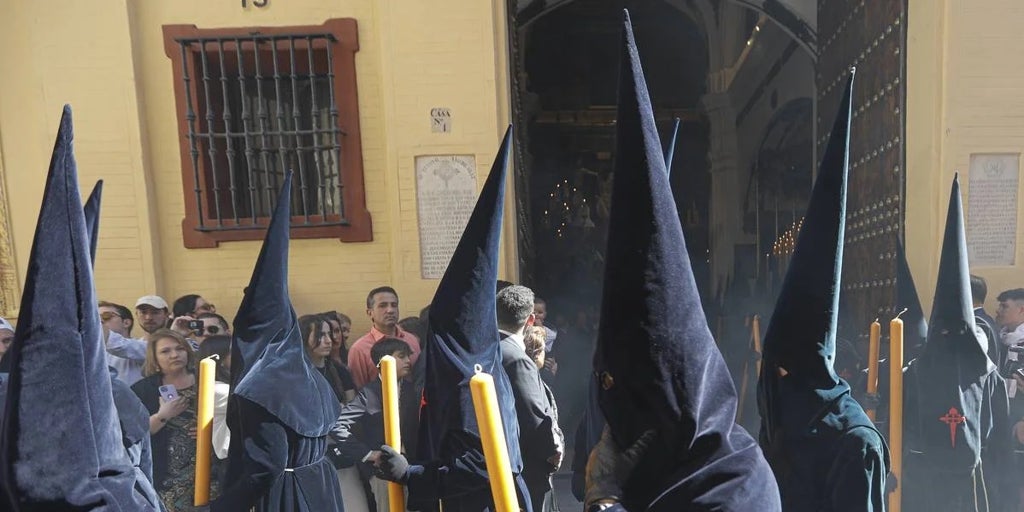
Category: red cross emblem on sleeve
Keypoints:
(953, 418)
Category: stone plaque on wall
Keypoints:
(992, 209)
(445, 197)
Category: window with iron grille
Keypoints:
(255, 103)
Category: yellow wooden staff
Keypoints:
(896, 408)
(492, 436)
(204, 430)
(392, 431)
(873, 348)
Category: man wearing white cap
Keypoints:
(152, 312)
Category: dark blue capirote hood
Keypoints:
(60, 442)
(274, 370)
(462, 331)
(657, 365)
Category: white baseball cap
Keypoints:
(153, 301)
(4, 324)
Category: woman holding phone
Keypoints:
(168, 390)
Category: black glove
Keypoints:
(393, 466)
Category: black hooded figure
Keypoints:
(956, 411)
(60, 444)
(280, 408)
(915, 331)
(671, 442)
(131, 413)
(462, 334)
(825, 452)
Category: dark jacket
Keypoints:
(148, 391)
(360, 428)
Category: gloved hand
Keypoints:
(608, 467)
(392, 466)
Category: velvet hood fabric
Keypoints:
(59, 377)
(92, 218)
(657, 365)
(916, 330)
(462, 330)
(954, 365)
(280, 377)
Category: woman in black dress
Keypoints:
(172, 423)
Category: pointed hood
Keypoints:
(801, 336)
(463, 330)
(59, 376)
(265, 314)
(952, 327)
(281, 378)
(656, 362)
(92, 218)
(670, 149)
(953, 375)
(907, 298)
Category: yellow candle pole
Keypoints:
(896, 409)
(492, 436)
(204, 431)
(392, 432)
(873, 348)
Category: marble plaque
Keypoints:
(992, 209)
(445, 196)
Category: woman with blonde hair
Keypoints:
(168, 390)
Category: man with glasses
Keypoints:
(213, 324)
(126, 355)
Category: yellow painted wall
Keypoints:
(965, 67)
(107, 59)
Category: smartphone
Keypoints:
(196, 325)
(169, 392)
(1019, 372)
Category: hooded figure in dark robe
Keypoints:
(131, 413)
(956, 412)
(462, 336)
(915, 331)
(61, 445)
(825, 452)
(280, 408)
(671, 443)
(591, 426)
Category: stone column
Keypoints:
(724, 219)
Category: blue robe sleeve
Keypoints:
(857, 476)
